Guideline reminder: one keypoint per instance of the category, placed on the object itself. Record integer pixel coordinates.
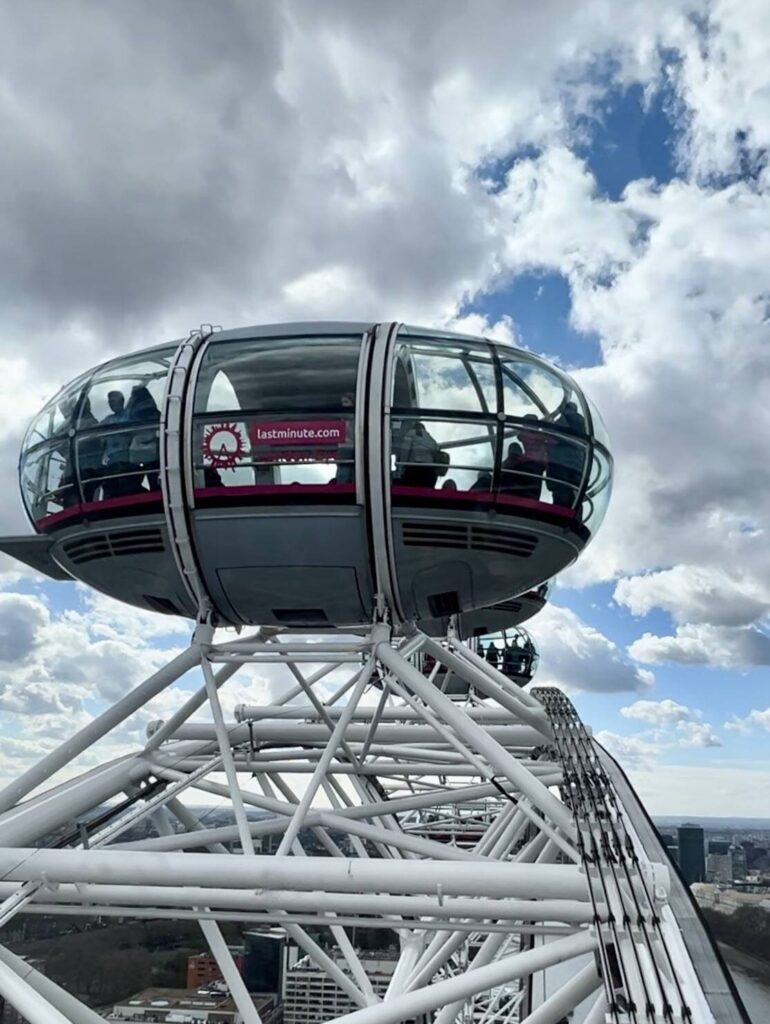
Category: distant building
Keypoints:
(729, 900)
(719, 867)
(737, 861)
(161, 1005)
(262, 962)
(718, 846)
(692, 853)
(669, 842)
(202, 968)
(311, 997)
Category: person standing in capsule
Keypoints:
(420, 458)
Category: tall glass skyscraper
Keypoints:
(692, 853)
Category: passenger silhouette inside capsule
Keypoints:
(116, 461)
(419, 461)
(144, 446)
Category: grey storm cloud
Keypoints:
(21, 620)
(138, 151)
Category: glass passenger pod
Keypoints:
(512, 652)
(93, 451)
(492, 449)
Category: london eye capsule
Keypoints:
(315, 475)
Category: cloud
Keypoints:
(575, 656)
(630, 751)
(696, 594)
(702, 790)
(722, 82)
(657, 712)
(672, 725)
(21, 620)
(718, 646)
(756, 718)
(697, 734)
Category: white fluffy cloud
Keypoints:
(657, 712)
(757, 718)
(705, 645)
(696, 594)
(630, 751)
(671, 725)
(575, 656)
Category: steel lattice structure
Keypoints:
(555, 894)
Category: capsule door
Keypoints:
(277, 522)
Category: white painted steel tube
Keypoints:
(33, 1006)
(490, 947)
(597, 1013)
(495, 673)
(462, 986)
(99, 727)
(400, 840)
(325, 962)
(327, 874)
(311, 732)
(306, 712)
(327, 757)
(476, 736)
(59, 998)
(192, 824)
(232, 976)
(388, 768)
(162, 730)
(42, 814)
(227, 755)
(561, 1002)
(535, 717)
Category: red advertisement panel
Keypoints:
(283, 433)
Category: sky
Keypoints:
(589, 181)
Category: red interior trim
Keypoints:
(249, 490)
(482, 498)
(79, 511)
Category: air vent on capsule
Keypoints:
(435, 535)
(469, 537)
(147, 541)
(504, 542)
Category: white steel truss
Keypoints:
(482, 829)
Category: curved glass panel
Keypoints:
(511, 651)
(56, 418)
(126, 390)
(540, 465)
(48, 481)
(98, 443)
(531, 390)
(444, 375)
(598, 491)
(448, 456)
(272, 413)
(597, 424)
(294, 375)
